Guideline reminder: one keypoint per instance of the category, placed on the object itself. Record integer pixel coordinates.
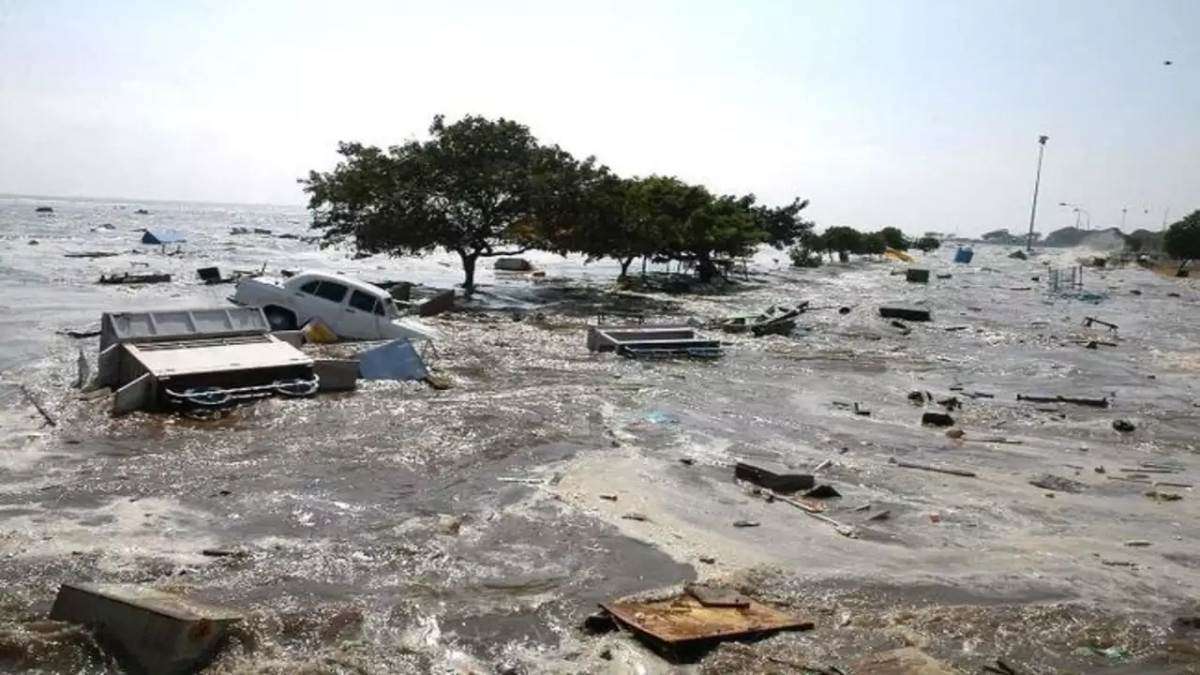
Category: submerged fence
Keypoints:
(1070, 279)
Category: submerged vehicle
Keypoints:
(350, 308)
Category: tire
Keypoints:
(280, 318)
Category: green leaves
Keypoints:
(1182, 240)
(478, 185)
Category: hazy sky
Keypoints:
(923, 115)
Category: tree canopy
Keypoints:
(1182, 240)
(474, 187)
(927, 243)
(894, 238)
(481, 187)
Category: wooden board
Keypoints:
(684, 619)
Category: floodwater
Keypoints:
(402, 529)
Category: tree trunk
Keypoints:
(705, 268)
(468, 263)
(625, 266)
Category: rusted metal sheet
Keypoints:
(684, 618)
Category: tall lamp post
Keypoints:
(1078, 208)
(1036, 183)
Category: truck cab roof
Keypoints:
(306, 276)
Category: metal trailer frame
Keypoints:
(198, 358)
(658, 342)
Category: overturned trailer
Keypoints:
(200, 358)
(647, 342)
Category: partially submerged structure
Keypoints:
(652, 342)
(162, 237)
(349, 307)
(202, 358)
(149, 631)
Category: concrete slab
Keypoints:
(148, 630)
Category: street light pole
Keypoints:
(1036, 183)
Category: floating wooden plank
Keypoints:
(685, 619)
(937, 469)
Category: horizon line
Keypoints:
(147, 200)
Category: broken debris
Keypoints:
(397, 360)
(1123, 426)
(905, 313)
(1076, 400)
(935, 419)
(782, 483)
(150, 631)
(135, 278)
(1057, 483)
(684, 619)
(937, 469)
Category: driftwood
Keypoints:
(1094, 402)
(30, 397)
(936, 469)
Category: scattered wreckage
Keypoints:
(776, 320)
(148, 630)
(652, 342)
(204, 358)
(698, 617)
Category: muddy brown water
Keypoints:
(402, 529)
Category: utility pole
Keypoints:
(1036, 183)
(1123, 210)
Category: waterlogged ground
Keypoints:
(402, 529)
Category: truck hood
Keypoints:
(405, 327)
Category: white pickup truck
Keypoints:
(351, 308)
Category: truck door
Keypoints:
(365, 312)
(327, 306)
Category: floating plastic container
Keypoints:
(964, 255)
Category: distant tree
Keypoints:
(1144, 241)
(782, 226)
(997, 236)
(1182, 240)
(604, 222)
(872, 244)
(928, 243)
(894, 238)
(475, 186)
(842, 240)
(723, 227)
(804, 252)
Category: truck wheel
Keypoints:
(280, 318)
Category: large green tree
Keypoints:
(928, 243)
(707, 229)
(477, 187)
(782, 226)
(842, 240)
(1182, 240)
(624, 219)
(894, 238)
